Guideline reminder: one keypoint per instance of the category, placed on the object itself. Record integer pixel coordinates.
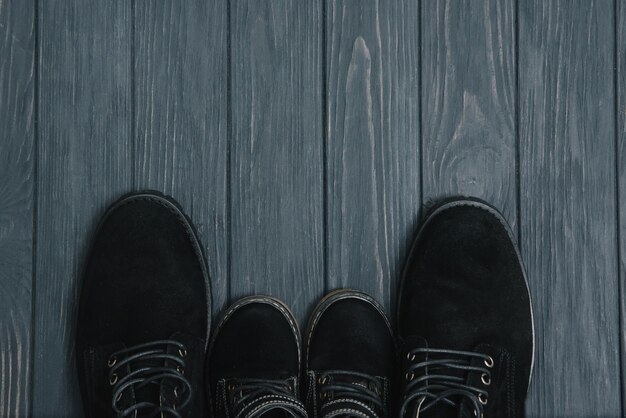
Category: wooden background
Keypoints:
(304, 138)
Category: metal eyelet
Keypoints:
(486, 379)
(482, 398)
(410, 356)
(489, 362)
(409, 376)
(322, 380)
(112, 361)
(182, 352)
(230, 387)
(180, 370)
(113, 379)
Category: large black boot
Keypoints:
(464, 317)
(143, 319)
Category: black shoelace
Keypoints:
(440, 376)
(348, 393)
(139, 367)
(251, 398)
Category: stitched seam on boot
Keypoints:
(386, 393)
(222, 389)
(271, 402)
(344, 400)
(347, 411)
(511, 389)
(312, 394)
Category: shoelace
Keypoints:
(147, 367)
(253, 397)
(434, 380)
(339, 389)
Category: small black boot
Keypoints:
(143, 321)
(254, 362)
(464, 317)
(350, 355)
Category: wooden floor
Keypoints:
(304, 138)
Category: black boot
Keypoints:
(143, 319)
(464, 317)
(350, 355)
(254, 362)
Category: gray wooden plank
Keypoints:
(620, 137)
(568, 208)
(17, 160)
(468, 97)
(373, 180)
(276, 174)
(181, 64)
(84, 163)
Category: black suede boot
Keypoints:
(254, 362)
(464, 317)
(350, 355)
(143, 319)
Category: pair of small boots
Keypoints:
(258, 364)
(463, 345)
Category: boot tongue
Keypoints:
(343, 401)
(152, 391)
(154, 363)
(473, 379)
(441, 409)
(414, 342)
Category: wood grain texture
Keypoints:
(468, 96)
(84, 163)
(373, 180)
(568, 209)
(17, 161)
(276, 173)
(620, 137)
(181, 82)
(242, 137)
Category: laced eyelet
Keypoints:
(182, 352)
(489, 362)
(112, 361)
(410, 356)
(409, 376)
(113, 379)
(485, 379)
(180, 370)
(322, 380)
(482, 398)
(230, 387)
